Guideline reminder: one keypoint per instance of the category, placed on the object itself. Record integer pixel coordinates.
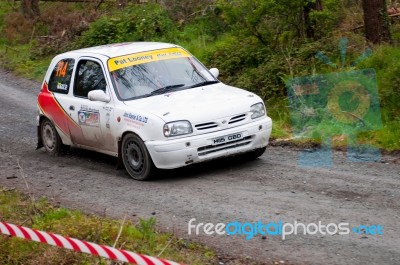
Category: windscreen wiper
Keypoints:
(205, 83)
(165, 89)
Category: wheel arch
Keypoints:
(65, 139)
(120, 163)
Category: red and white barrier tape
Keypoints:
(80, 245)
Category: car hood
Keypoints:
(198, 104)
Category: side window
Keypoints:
(89, 76)
(60, 78)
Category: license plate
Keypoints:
(227, 138)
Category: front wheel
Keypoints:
(50, 138)
(136, 158)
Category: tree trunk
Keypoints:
(30, 8)
(25, 7)
(309, 25)
(376, 21)
(35, 8)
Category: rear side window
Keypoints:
(60, 78)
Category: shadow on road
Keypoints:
(188, 172)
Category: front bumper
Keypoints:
(183, 151)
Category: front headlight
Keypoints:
(176, 128)
(257, 110)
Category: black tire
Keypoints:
(50, 138)
(136, 158)
(255, 153)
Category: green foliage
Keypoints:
(324, 21)
(267, 20)
(386, 61)
(4, 9)
(200, 35)
(250, 65)
(276, 22)
(148, 22)
(21, 60)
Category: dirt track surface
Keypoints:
(272, 188)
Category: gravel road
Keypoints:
(272, 188)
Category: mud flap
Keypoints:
(39, 138)
(120, 163)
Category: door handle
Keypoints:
(71, 107)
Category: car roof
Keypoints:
(119, 49)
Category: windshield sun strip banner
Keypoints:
(120, 62)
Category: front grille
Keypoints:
(205, 150)
(237, 118)
(205, 126)
(217, 124)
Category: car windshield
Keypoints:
(157, 72)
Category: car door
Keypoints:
(93, 117)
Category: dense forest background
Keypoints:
(257, 44)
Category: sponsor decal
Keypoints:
(135, 120)
(108, 115)
(108, 120)
(145, 57)
(62, 86)
(61, 69)
(88, 117)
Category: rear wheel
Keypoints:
(50, 138)
(136, 158)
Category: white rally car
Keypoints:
(152, 105)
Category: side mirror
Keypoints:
(214, 72)
(98, 95)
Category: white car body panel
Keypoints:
(99, 126)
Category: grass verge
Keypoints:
(140, 237)
(18, 60)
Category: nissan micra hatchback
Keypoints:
(152, 105)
